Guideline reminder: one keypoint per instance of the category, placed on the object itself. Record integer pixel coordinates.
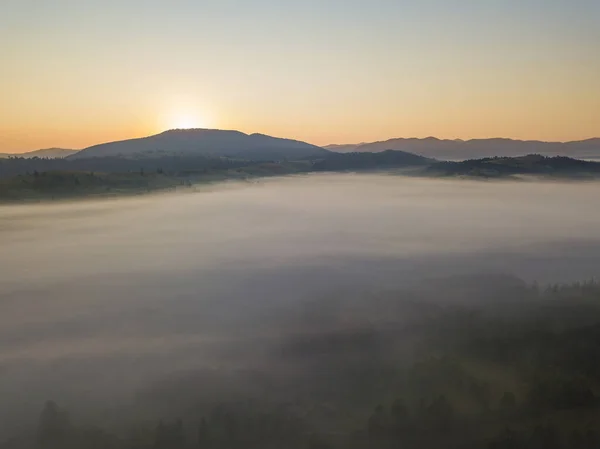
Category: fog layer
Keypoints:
(97, 298)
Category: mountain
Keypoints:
(344, 148)
(206, 142)
(370, 161)
(478, 148)
(46, 152)
(533, 164)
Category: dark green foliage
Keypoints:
(378, 423)
(204, 440)
(162, 164)
(54, 428)
(21, 178)
(315, 442)
(116, 176)
(401, 422)
(532, 164)
(561, 392)
(370, 161)
(545, 437)
(238, 426)
(517, 373)
(508, 403)
(508, 439)
(169, 435)
(439, 415)
(98, 175)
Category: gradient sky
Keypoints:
(78, 72)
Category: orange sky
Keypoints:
(76, 74)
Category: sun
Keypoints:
(187, 122)
(183, 115)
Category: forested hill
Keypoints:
(533, 164)
(40, 178)
(370, 161)
(182, 164)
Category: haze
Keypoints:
(98, 299)
(77, 73)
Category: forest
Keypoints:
(532, 164)
(37, 179)
(461, 362)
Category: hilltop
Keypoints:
(206, 142)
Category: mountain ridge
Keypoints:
(448, 149)
(53, 152)
(207, 142)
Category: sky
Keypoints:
(74, 73)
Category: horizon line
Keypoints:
(305, 141)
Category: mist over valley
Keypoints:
(102, 300)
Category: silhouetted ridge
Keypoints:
(370, 161)
(52, 153)
(533, 164)
(207, 142)
(445, 149)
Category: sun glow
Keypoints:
(187, 122)
(181, 113)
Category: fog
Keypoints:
(100, 299)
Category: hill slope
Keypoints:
(478, 148)
(208, 142)
(370, 161)
(533, 164)
(46, 152)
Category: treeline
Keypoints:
(175, 164)
(164, 164)
(455, 367)
(370, 161)
(64, 185)
(39, 178)
(194, 167)
(226, 426)
(533, 164)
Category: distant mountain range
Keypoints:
(46, 152)
(469, 149)
(206, 142)
(236, 144)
